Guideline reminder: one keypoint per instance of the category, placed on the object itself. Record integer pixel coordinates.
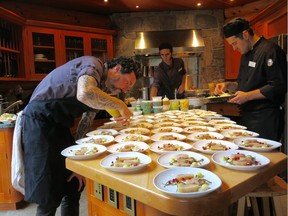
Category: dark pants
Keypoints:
(269, 123)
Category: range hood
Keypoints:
(186, 42)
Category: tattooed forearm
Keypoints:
(85, 124)
(89, 94)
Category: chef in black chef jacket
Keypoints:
(262, 81)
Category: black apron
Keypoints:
(45, 134)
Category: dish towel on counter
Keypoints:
(17, 165)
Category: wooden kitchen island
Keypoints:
(135, 194)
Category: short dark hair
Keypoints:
(128, 65)
(236, 26)
(165, 46)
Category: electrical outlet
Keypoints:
(98, 191)
(129, 206)
(113, 198)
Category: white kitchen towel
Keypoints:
(17, 163)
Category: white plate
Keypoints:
(194, 123)
(131, 137)
(161, 136)
(139, 130)
(70, 151)
(194, 129)
(221, 121)
(164, 159)
(97, 139)
(218, 159)
(139, 146)
(229, 127)
(111, 132)
(164, 176)
(167, 124)
(201, 144)
(237, 133)
(159, 144)
(107, 161)
(198, 136)
(215, 117)
(273, 144)
(167, 129)
(141, 124)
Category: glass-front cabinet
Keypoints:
(10, 49)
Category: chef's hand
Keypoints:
(81, 180)
(125, 116)
(220, 88)
(240, 97)
(181, 89)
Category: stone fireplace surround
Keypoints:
(210, 22)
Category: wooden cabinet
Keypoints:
(30, 49)
(49, 48)
(10, 49)
(9, 197)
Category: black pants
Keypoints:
(69, 203)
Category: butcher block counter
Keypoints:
(148, 200)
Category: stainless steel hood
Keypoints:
(186, 42)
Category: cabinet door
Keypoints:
(44, 51)
(101, 46)
(74, 45)
(10, 49)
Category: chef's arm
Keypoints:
(181, 88)
(153, 92)
(89, 94)
(85, 124)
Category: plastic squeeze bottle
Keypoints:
(166, 103)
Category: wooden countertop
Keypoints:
(139, 185)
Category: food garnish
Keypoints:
(254, 143)
(170, 147)
(96, 141)
(215, 147)
(241, 160)
(184, 160)
(130, 148)
(187, 183)
(125, 162)
(84, 151)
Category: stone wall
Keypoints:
(210, 22)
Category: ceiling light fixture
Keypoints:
(137, 6)
(199, 4)
(105, 0)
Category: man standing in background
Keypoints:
(169, 76)
(262, 81)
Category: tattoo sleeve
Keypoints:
(89, 94)
(85, 124)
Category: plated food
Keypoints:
(182, 159)
(186, 182)
(237, 133)
(167, 124)
(257, 144)
(240, 160)
(167, 129)
(84, 151)
(96, 139)
(111, 132)
(194, 123)
(167, 136)
(221, 121)
(164, 146)
(229, 127)
(128, 146)
(141, 124)
(131, 137)
(212, 146)
(125, 161)
(204, 136)
(193, 129)
(138, 130)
